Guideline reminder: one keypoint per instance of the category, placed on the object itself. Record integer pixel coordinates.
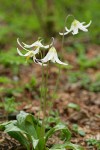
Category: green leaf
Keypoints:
(26, 122)
(23, 116)
(75, 127)
(81, 132)
(77, 130)
(20, 137)
(3, 125)
(66, 145)
(40, 133)
(12, 127)
(74, 106)
(18, 134)
(4, 79)
(59, 127)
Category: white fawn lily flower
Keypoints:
(52, 55)
(29, 53)
(75, 26)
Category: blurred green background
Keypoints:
(29, 19)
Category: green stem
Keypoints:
(41, 97)
(42, 87)
(42, 131)
(46, 89)
(59, 70)
(42, 103)
(45, 94)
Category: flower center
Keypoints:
(31, 54)
(53, 49)
(75, 23)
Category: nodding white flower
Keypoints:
(52, 55)
(29, 53)
(75, 26)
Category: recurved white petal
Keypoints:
(47, 46)
(21, 45)
(27, 54)
(65, 33)
(67, 29)
(58, 61)
(83, 23)
(81, 27)
(88, 24)
(36, 44)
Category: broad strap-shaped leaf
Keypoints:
(19, 137)
(12, 127)
(67, 145)
(59, 127)
(23, 116)
(18, 134)
(3, 125)
(26, 122)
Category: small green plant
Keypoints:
(32, 83)
(10, 58)
(79, 76)
(11, 91)
(93, 142)
(95, 86)
(80, 49)
(52, 119)
(30, 133)
(4, 79)
(74, 106)
(10, 105)
(76, 129)
(85, 81)
(85, 63)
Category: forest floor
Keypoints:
(76, 103)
